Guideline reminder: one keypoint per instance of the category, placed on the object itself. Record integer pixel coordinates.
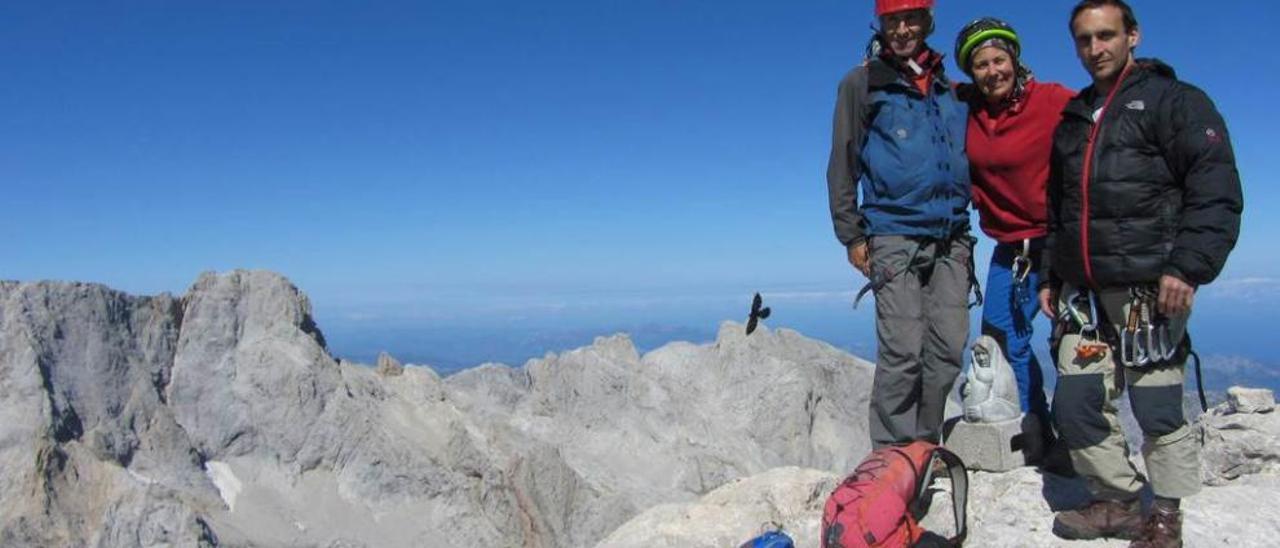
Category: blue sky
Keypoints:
(473, 163)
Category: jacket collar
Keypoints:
(884, 71)
(1144, 69)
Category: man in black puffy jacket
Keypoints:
(1144, 206)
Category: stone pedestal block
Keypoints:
(996, 446)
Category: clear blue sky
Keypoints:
(472, 158)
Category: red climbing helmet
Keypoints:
(884, 7)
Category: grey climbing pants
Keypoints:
(1087, 419)
(922, 325)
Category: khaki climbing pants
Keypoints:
(1086, 415)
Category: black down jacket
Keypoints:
(1150, 190)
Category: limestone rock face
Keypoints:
(330, 448)
(1016, 509)
(1238, 444)
(112, 408)
(1013, 509)
(220, 418)
(1251, 400)
(389, 366)
(730, 515)
(89, 452)
(250, 372)
(673, 424)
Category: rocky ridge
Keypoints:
(218, 417)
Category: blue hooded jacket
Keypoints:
(906, 151)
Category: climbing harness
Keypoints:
(879, 279)
(1146, 338)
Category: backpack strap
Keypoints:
(959, 491)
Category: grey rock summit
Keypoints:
(1012, 509)
(388, 366)
(1241, 437)
(90, 450)
(219, 417)
(624, 432)
(1250, 400)
(127, 419)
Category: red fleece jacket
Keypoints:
(1009, 160)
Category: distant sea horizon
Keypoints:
(1232, 337)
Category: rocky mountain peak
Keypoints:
(218, 417)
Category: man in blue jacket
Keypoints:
(899, 133)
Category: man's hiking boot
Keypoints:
(1163, 529)
(1102, 518)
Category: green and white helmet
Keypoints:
(989, 31)
(983, 32)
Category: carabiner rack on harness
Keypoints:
(1146, 338)
(1132, 352)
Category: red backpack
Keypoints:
(882, 502)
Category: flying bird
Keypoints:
(758, 312)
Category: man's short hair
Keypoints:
(1130, 21)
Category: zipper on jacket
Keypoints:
(1087, 175)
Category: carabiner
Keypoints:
(1127, 352)
(1142, 341)
(1165, 348)
(1022, 263)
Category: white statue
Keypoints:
(990, 391)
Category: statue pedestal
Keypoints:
(995, 446)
